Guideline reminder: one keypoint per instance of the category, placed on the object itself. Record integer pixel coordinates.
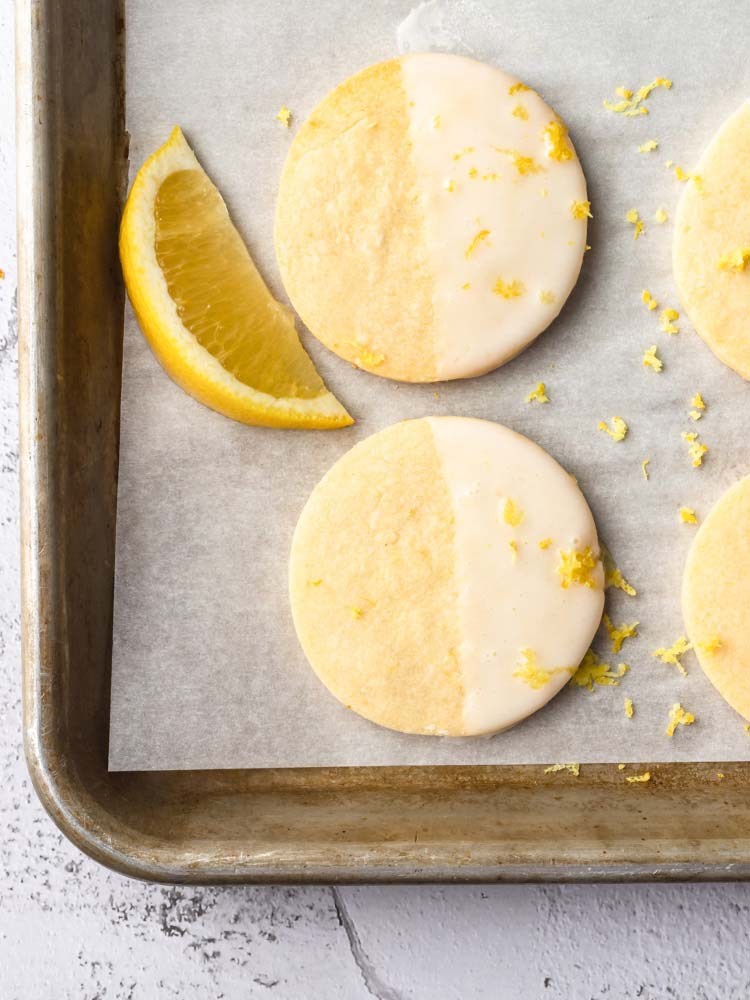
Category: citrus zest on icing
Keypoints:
(366, 357)
(594, 671)
(688, 515)
(734, 260)
(632, 105)
(574, 769)
(284, 116)
(672, 654)
(617, 432)
(525, 165)
(649, 146)
(666, 320)
(517, 88)
(576, 566)
(449, 184)
(678, 717)
(556, 144)
(538, 395)
(644, 470)
(513, 546)
(435, 123)
(648, 300)
(479, 238)
(633, 779)
(463, 152)
(532, 674)
(581, 210)
(661, 216)
(629, 707)
(520, 112)
(512, 513)
(696, 449)
(544, 543)
(650, 359)
(473, 173)
(357, 612)
(509, 289)
(619, 635)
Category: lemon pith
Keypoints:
(204, 308)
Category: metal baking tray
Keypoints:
(313, 825)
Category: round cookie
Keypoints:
(716, 596)
(711, 253)
(444, 577)
(431, 218)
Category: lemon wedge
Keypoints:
(204, 308)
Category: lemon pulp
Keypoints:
(220, 296)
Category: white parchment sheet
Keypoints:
(207, 671)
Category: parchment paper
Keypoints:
(207, 671)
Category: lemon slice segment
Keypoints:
(204, 308)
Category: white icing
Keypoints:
(533, 237)
(506, 606)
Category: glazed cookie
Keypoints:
(716, 596)
(445, 577)
(712, 244)
(431, 219)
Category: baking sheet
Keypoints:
(207, 672)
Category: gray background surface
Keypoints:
(69, 930)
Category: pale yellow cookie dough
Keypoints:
(716, 596)
(711, 253)
(431, 218)
(444, 577)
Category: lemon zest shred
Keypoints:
(532, 674)
(696, 449)
(635, 220)
(671, 655)
(512, 513)
(678, 717)
(649, 146)
(633, 105)
(513, 289)
(648, 300)
(710, 646)
(556, 144)
(547, 297)
(517, 88)
(618, 431)
(619, 635)
(581, 210)
(463, 152)
(513, 546)
(538, 395)
(576, 566)
(650, 359)
(435, 123)
(284, 115)
(525, 165)
(357, 612)
(520, 112)
(479, 238)
(594, 671)
(688, 515)
(629, 708)
(661, 216)
(633, 779)
(644, 470)
(612, 575)
(574, 769)
(544, 543)
(666, 321)
(449, 184)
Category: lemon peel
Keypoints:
(644, 468)
(284, 115)
(547, 298)
(532, 674)
(734, 260)
(634, 779)
(666, 321)
(648, 300)
(576, 567)
(661, 216)
(633, 105)
(636, 221)
(525, 165)
(479, 238)
(688, 515)
(581, 210)
(513, 289)
(649, 146)
(512, 513)
(629, 708)
(574, 769)
(612, 575)
(650, 359)
(710, 646)
(517, 88)
(696, 449)
(556, 145)
(520, 112)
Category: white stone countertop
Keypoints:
(70, 930)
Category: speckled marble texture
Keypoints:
(69, 930)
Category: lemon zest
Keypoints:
(479, 238)
(688, 515)
(661, 216)
(612, 575)
(696, 449)
(633, 105)
(594, 671)
(512, 513)
(509, 289)
(463, 152)
(633, 779)
(581, 210)
(517, 88)
(513, 546)
(556, 145)
(619, 635)
(357, 612)
(629, 707)
(666, 320)
(635, 220)
(711, 645)
(644, 470)
(576, 566)
(547, 297)
(671, 655)
(648, 300)
(525, 165)
(538, 395)
(649, 146)
(449, 184)
(574, 769)
(650, 359)
(284, 116)
(520, 112)
(544, 543)
(678, 717)
(618, 431)
(532, 674)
